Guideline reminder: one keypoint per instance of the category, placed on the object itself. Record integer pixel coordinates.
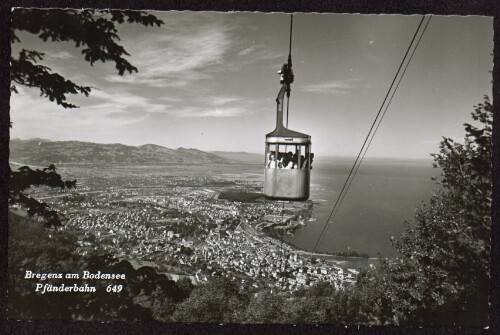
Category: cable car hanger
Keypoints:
(287, 172)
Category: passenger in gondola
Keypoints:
(271, 160)
(295, 161)
(288, 164)
(280, 160)
(309, 161)
(284, 159)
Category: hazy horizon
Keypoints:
(244, 152)
(208, 80)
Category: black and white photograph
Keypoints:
(250, 168)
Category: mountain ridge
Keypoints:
(40, 151)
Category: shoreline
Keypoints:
(346, 262)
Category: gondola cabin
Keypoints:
(287, 171)
(288, 160)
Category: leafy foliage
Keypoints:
(24, 178)
(146, 294)
(92, 30)
(217, 301)
(25, 71)
(442, 276)
(314, 305)
(24, 255)
(266, 307)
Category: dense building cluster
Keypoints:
(182, 228)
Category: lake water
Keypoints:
(383, 195)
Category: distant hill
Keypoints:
(243, 157)
(242, 196)
(40, 151)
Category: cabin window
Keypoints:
(288, 156)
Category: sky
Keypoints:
(209, 81)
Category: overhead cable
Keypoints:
(364, 147)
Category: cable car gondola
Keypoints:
(288, 152)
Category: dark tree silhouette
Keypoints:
(219, 300)
(92, 31)
(442, 274)
(146, 293)
(24, 178)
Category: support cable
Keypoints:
(379, 122)
(286, 149)
(346, 183)
(290, 45)
(281, 243)
(287, 110)
(289, 63)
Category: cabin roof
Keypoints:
(285, 132)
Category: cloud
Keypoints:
(177, 54)
(123, 104)
(170, 99)
(197, 112)
(260, 52)
(35, 116)
(220, 100)
(127, 106)
(157, 80)
(59, 55)
(330, 87)
(248, 50)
